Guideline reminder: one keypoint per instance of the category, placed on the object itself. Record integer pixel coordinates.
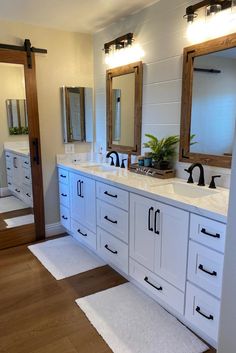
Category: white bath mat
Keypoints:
(19, 221)
(11, 203)
(64, 257)
(131, 322)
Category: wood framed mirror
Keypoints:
(21, 185)
(208, 112)
(124, 108)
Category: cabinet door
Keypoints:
(173, 241)
(142, 236)
(83, 208)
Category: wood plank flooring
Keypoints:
(38, 314)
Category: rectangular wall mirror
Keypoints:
(77, 106)
(124, 104)
(209, 102)
(17, 116)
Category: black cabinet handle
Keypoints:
(78, 188)
(64, 217)
(110, 220)
(84, 234)
(61, 175)
(81, 195)
(112, 251)
(214, 273)
(151, 284)
(8, 168)
(27, 163)
(108, 194)
(217, 235)
(156, 231)
(17, 190)
(64, 195)
(14, 162)
(9, 183)
(26, 177)
(36, 151)
(149, 219)
(198, 310)
(27, 194)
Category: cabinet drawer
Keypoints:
(113, 220)
(205, 268)
(9, 168)
(83, 234)
(157, 286)
(113, 250)
(26, 162)
(203, 311)
(10, 182)
(63, 176)
(65, 217)
(64, 194)
(208, 232)
(113, 195)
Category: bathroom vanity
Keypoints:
(166, 236)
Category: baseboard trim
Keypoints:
(54, 229)
(5, 192)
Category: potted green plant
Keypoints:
(164, 150)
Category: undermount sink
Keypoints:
(186, 190)
(101, 168)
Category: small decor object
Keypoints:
(148, 159)
(141, 161)
(163, 150)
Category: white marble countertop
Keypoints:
(214, 206)
(20, 148)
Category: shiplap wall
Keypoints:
(161, 32)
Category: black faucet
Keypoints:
(117, 157)
(201, 181)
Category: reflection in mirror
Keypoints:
(16, 200)
(17, 116)
(214, 102)
(123, 91)
(77, 104)
(124, 108)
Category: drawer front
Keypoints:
(113, 195)
(113, 250)
(65, 217)
(27, 176)
(84, 235)
(157, 286)
(26, 162)
(10, 182)
(203, 311)
(64, 195)
(205, 268)
(113, 220)
(63, 176)
(208, 232)
(9, 168)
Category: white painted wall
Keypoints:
(162, 34)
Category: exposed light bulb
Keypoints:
(124, 56)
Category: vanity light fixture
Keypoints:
(212, 7)
(119, 43)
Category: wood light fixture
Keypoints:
(212, 7)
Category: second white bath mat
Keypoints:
(64, 257)
(131, 322)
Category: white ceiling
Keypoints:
(86, 16)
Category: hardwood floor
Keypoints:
(38, 314)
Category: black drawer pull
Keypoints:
(27, 163)
(198, 310)
(17, 190)
(149, 219)
(108, 194)
(112, 251)
(81, 195)
(62, 176)
(217, 235)
(84, 234)
(9, 183)
(64, 217)
(27, 194)
(26, 177)
(8, 168)
(156, 231)
(214, 273)
(64, 195)
(151, 284)
(110, 220)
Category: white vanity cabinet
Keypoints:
(159, 238)
(83, 200)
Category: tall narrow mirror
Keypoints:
(21, 218)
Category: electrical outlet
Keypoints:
(69, 148)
